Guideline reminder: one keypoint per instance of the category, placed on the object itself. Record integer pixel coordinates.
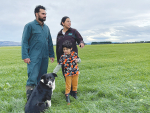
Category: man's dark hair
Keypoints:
(37, 9)
(63, 20)
(67, 44)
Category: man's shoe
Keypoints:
(28, 94)
(29, 90)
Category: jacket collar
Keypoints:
(60, 32)
(36, 22)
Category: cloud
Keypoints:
(96, 20)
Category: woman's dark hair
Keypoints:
(67, 44)
(37, 9)
(63, 20)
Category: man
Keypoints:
(37, 47)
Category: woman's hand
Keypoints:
(81, 45)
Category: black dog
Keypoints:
(40, 98)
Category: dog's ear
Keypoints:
(54, 74)
(42, 78)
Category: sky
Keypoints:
(96, 20)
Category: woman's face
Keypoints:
(67, 23)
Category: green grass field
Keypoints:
(113, 78)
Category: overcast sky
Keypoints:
(96, 20)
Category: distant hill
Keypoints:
(88, 43)
(9, 43)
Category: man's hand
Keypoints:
(81, 45)
(52, 60)
(27, 60)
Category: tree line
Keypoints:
(109, 42)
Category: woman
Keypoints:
(68, 33)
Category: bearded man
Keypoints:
(37, 47)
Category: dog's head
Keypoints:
(48, 79)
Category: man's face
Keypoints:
(41, 15)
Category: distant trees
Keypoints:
(147, 41)
(109, 42)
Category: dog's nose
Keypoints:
(50, 84)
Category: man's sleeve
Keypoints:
(50, 46)
(78, 37)
(25, 43)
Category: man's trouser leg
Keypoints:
(43, 68)
(33, 71)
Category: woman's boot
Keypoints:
(67, 99)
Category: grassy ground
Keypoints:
(114, 78)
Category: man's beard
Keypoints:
(41, 19)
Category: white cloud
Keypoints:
(96, 20)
